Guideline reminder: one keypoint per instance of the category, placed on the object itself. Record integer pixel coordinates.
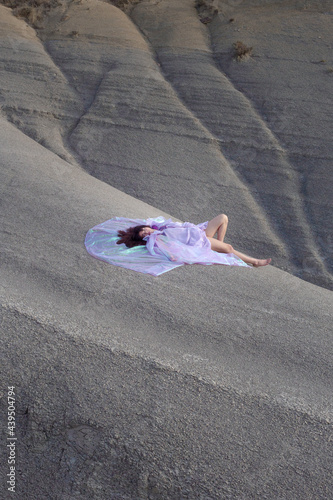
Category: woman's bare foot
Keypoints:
(262, 262)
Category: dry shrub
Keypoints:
(31, 14)
(33, 11)
(241, 50)
(9, 3)
(23, 3)
(44, 6)
(207, 5)
(207, 10)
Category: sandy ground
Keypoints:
(207, 382)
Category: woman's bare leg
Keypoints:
(219, 246)
(217, 225)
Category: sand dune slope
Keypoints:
(35, 95)
(194, 383)
(289, 82)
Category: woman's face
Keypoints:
(146, 231)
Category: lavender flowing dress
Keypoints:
(171, 245)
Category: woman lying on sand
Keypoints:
(186, 243)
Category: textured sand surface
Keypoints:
(207, 382)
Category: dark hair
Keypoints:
(131, 236)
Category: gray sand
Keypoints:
(206, 382)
